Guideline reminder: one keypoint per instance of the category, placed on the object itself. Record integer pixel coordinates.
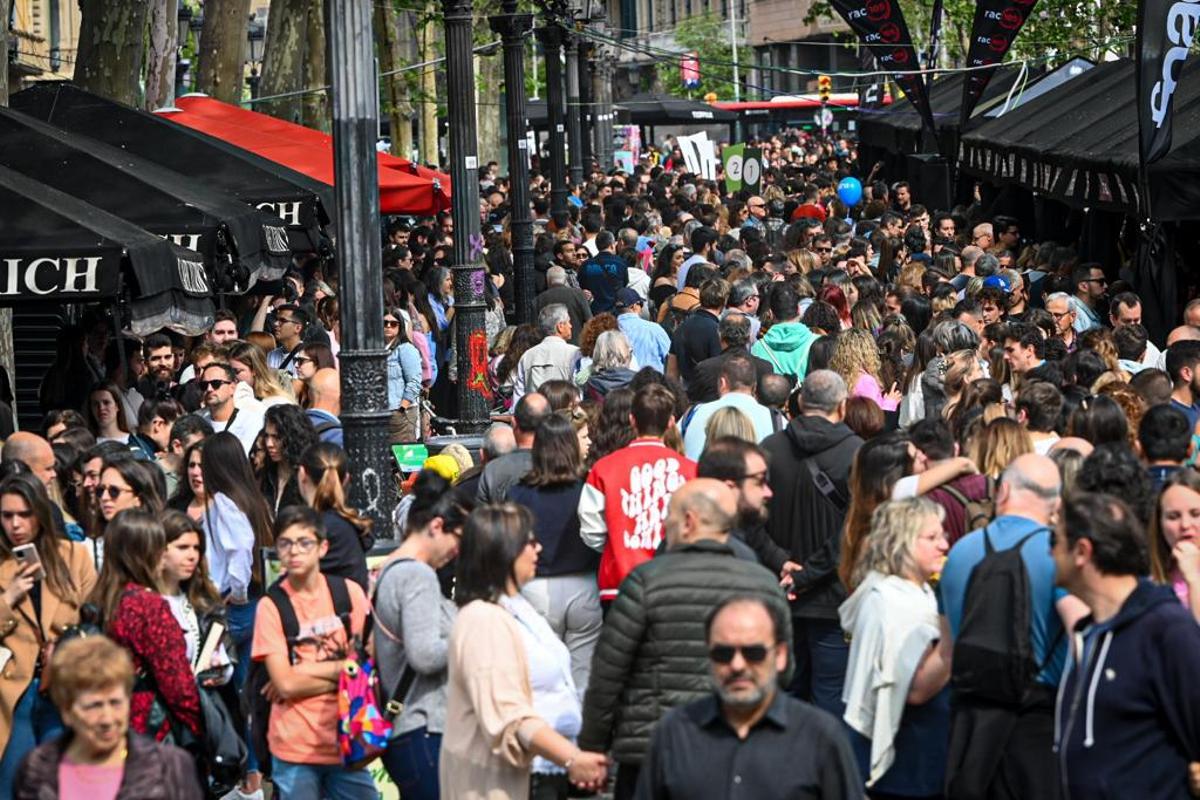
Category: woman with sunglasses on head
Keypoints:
(414, 620)
(404, 376)
(137, 617)
(41, 597)
(511, 697)
(323, 475)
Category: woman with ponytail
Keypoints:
(322, 476)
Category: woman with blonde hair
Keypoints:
(865, 316)
(1175, 538)
(729, 421)
(805, 261)
(961, 369)
(899, 665)
(323, 475)
(1001, 440)
(856, 359)
(251, 367)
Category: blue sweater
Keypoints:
(1127, 720)
(603, 275)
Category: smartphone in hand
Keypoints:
(26, 554)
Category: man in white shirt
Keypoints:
(243, 419)
(736, 387)
(555, 358)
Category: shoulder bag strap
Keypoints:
(825, 484)
(288, 358)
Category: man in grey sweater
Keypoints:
(499, 475)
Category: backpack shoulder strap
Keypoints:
(687, 419)
(958, 496)
(287, 616)
(342, 606)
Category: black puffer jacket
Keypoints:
(801, 520)
(153, 771)
(652, 655)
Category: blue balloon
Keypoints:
(850, 191)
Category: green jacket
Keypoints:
(785, 347)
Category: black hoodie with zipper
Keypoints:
(1127, 719)
(802, 520)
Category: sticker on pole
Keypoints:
(472, 162)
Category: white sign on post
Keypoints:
(699, 154)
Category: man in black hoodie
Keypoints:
(1128, 712)
(810, 471)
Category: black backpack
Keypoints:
(993, 653)
(258, 708)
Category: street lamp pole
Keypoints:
(470, 277)
(551, 37)
(587, 103)
(512, 28)
(363, 359)
(574, 121)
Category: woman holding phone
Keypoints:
(45, 579)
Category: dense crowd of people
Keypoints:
(781, 499)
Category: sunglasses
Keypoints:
(113, 492)
(214, 384)
(391, 323)
(752, 653)
(298, 360)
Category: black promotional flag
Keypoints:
(880, 25)
(997, 23)
(1165, 30)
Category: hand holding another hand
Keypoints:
(588, 770)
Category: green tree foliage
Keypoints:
(708, 36)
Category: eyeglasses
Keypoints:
(283, 320)
(391, 323)
(113, 492)
(824, 249)
(215, 384)
(1101, 281)
(285, 546)
(752, 653)
(1061, 315)
(759, 478)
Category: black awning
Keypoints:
(160, 200)
(58, 248)
(296, 198)
(662, 109)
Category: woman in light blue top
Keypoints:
(404, 377)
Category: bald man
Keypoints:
(325, 393)
(34, 452)
(1018, 742)
(652, 654)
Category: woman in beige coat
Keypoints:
(492, 730)
(38, 601)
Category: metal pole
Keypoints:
(587, 104)
(362, 358)
(737, 79)
(512, 28)
(470, 277)
(574, 121)
(551, 37)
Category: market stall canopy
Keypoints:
(898, 129)
(237, 242)
(54, 247)
(297, 199)
(1031, 90)
(1079, 144)
(306, 151)
(662, 109)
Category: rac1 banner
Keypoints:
(1165, 31)
(997, 23)
(880, 25)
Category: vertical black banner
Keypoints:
(1165, 31)
(880, 25)
(997, 23)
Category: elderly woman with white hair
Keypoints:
(897, 701)
(611, 369)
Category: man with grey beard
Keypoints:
(748, 739)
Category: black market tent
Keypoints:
(898, 129)
(662, 109)
(56, 248)
(236, 242)
(1079, 144)
(299, 200)
(1033, 89)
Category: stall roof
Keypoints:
(1079, 144)
(152, 197)
(306, 151)
(302, 202)
(662, 109)
(56, 247)
(1039, 86)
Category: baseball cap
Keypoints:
(627, 298)
(998, 281)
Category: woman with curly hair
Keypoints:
(587, 343)
(251, 368)
(612, 430)
(287, 433)
(856, 359)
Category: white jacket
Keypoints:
(891, 622)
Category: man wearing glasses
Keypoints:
(1063, 310)
(651, 656)
(290, 322)
(757, 208)
(218, 382)
(1090, 288)
(748, 739)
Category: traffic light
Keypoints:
(824, 87)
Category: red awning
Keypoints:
(404, 188)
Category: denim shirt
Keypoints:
(404, 374)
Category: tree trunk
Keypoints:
(160, 59)
(109, 60)
(221, 73)
(6, 331)
(395, 86)
(283, 61)
(316, 103)
(429, 119)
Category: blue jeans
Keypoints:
(240, 620)
(321, 782)
(35, 719)
(411, 760)
(821, 653)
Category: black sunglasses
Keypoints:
(214, 384)
(752, 653)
